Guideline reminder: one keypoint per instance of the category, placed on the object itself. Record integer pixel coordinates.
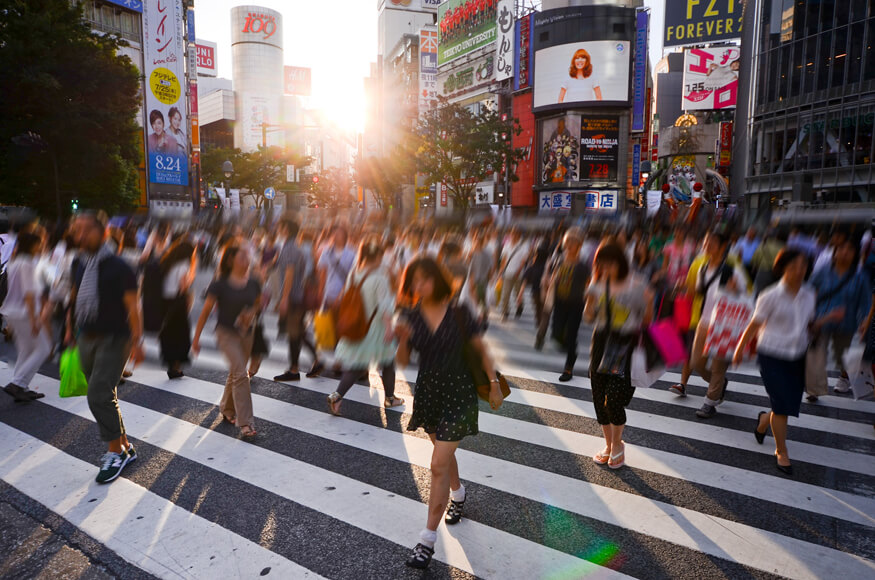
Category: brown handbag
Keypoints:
(475, 364)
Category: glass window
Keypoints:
(826, 13)
(786, 72)
(858, 10)
(798, 69)
(810, 64)
(843, 12)
(824, 64)
(855, 56)
(771, 83)
(817, 138)
(840, 58)
(812, 17)
(863, 146)
(799, 20)
(869, 58)
(791, 147)
(832, 139)
(778, 151)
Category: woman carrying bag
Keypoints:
(379, 345)
(782, 323)
(445, 402)
(619, 304)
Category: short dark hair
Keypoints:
(155, 115)
(226, 264)
(786, 257)
(173, 111)
(26, 243)
(613, 253)
(443, 287)
(291, 226)
(371, 248)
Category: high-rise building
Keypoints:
(812, 107)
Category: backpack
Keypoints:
(351, 322)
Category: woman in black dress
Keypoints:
(178, 269)
(445, 401)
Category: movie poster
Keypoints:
(599, 148)
(560, 149)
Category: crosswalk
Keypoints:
(317, 496)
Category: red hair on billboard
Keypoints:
(587, 70)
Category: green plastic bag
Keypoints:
(73, 381)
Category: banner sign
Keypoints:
(164, 60)
(639, 80)
(725, 157)
(297, 80)
(465, 26)
(702, 21)
(654, 150)
(206, 59)
(523, 57)
(556, 200)
(476, 73)
(654, 200)
(711, 78)
(428, 86)
(504, 49)
(135, 5)
(601, 200)
(636, 166)
(599, 148)
(443, 195)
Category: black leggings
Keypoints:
(610, 394)
(349, 377)
(298, 338)
(566, 327)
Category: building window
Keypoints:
(841, 57)
(869, 59)
(824, 63)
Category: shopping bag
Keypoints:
(668, 342)
(859, 371)
(729, 320)
(73, 382)
(323, 330)
(641, 377)
(682, 312)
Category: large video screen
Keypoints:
(582, 73)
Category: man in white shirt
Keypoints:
(514, 257)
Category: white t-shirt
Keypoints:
(22, 281)
(785, 319)
(516, 255)
(580, 89)
(173, 279)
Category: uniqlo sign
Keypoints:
(206, 59)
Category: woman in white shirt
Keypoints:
(178, 269)
(782, 320)
(24, 312)
(583, 86)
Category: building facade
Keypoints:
(812, 109)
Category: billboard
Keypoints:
(297, 80)
(476, 73)
(464, 26)
(164, 61)
(560, 150)
(504, 51)
(582, 73)
(428, 87)
(523, 56)
(710, 78)
(599, 147)
(639, 80)
(418, 5)
(256, 111)
(701, 21)
(206, 59)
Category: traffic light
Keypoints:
(74, 205)
(315, 179)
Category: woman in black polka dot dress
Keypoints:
(445, 401)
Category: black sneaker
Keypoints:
(679, 389)
(706, 412)
(318, 367)
(421, 557)
(17, 393)
(111, 466)
(454, 512)
(33, 395)
(565, 377)
(519, 311)
(288, 376)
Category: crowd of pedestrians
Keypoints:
(368, 295)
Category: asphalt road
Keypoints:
(344, 497)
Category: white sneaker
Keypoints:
(842, 385)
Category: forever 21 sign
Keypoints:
(260, 24)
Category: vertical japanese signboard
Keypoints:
(428, 49)
(725, 159)
(193, 108)
(523, 53)
(639, 80)
(504, 48)
(166, 116)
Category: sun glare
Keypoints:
(342, 105)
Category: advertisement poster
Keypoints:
(711, 78)
(206, 59)
(167, 121)
(582, 73)
(297, 81)
(428, 87)
(476, 73)
(256, 110)
(465, 26)
(599, 148)
(504, 49)
(559, 160)
(701, 21)
(639, 80)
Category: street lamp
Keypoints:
(228, 169)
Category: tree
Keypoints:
(332, 188)
(70, 90)
(455, 146)
(212, 161)
(253, 171)
(383, 176)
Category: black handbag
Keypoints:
(617, 353)
(474, 362)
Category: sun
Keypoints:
(342, 105)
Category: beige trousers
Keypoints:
(715, 375)
(237, 398)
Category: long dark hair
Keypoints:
(611, 252)
(226, 264)
(180, 250)
(443, 287)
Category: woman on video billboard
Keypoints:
(584, 86)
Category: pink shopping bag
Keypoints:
(668, 342)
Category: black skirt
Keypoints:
(175, 333)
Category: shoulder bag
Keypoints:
(474, 362)
(618, 347)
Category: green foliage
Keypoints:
(384, 176)
(70, 87)
(453, 145)
(253, 171)
(332, 190)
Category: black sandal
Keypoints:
(454, 512)
(421, 557)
